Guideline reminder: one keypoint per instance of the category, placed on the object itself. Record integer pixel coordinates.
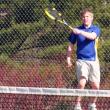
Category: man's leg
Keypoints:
(94, 78)
(81, 85)
(82, 72)
(92, 105)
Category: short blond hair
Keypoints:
(90, 10)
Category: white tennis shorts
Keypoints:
(88, 69)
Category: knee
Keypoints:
(82, 83)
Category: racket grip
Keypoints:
(71, 27)
(68, 25)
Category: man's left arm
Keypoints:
(88, 35)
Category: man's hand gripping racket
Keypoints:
(55, 15)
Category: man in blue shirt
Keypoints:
(87, 64)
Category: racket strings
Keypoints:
(57, 15)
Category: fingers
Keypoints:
(69, 65)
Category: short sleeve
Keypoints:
(72, 38)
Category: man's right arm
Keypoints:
(69, 53)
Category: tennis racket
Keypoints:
(55, 15)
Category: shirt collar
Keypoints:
(85, 27)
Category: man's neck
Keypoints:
(87, 26)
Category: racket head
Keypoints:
(53, 14)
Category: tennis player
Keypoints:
(87, 64)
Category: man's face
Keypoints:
(87, 19)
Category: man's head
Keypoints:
(87, 16)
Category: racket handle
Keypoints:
(68, 25)
(71, 27)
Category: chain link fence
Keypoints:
(33, 48)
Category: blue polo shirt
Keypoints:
(86, 48)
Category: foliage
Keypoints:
(104, 51)
(12, 38)
(27, 19)
(51, 51)
(5, 17)
(53, 37)
(103, 16)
